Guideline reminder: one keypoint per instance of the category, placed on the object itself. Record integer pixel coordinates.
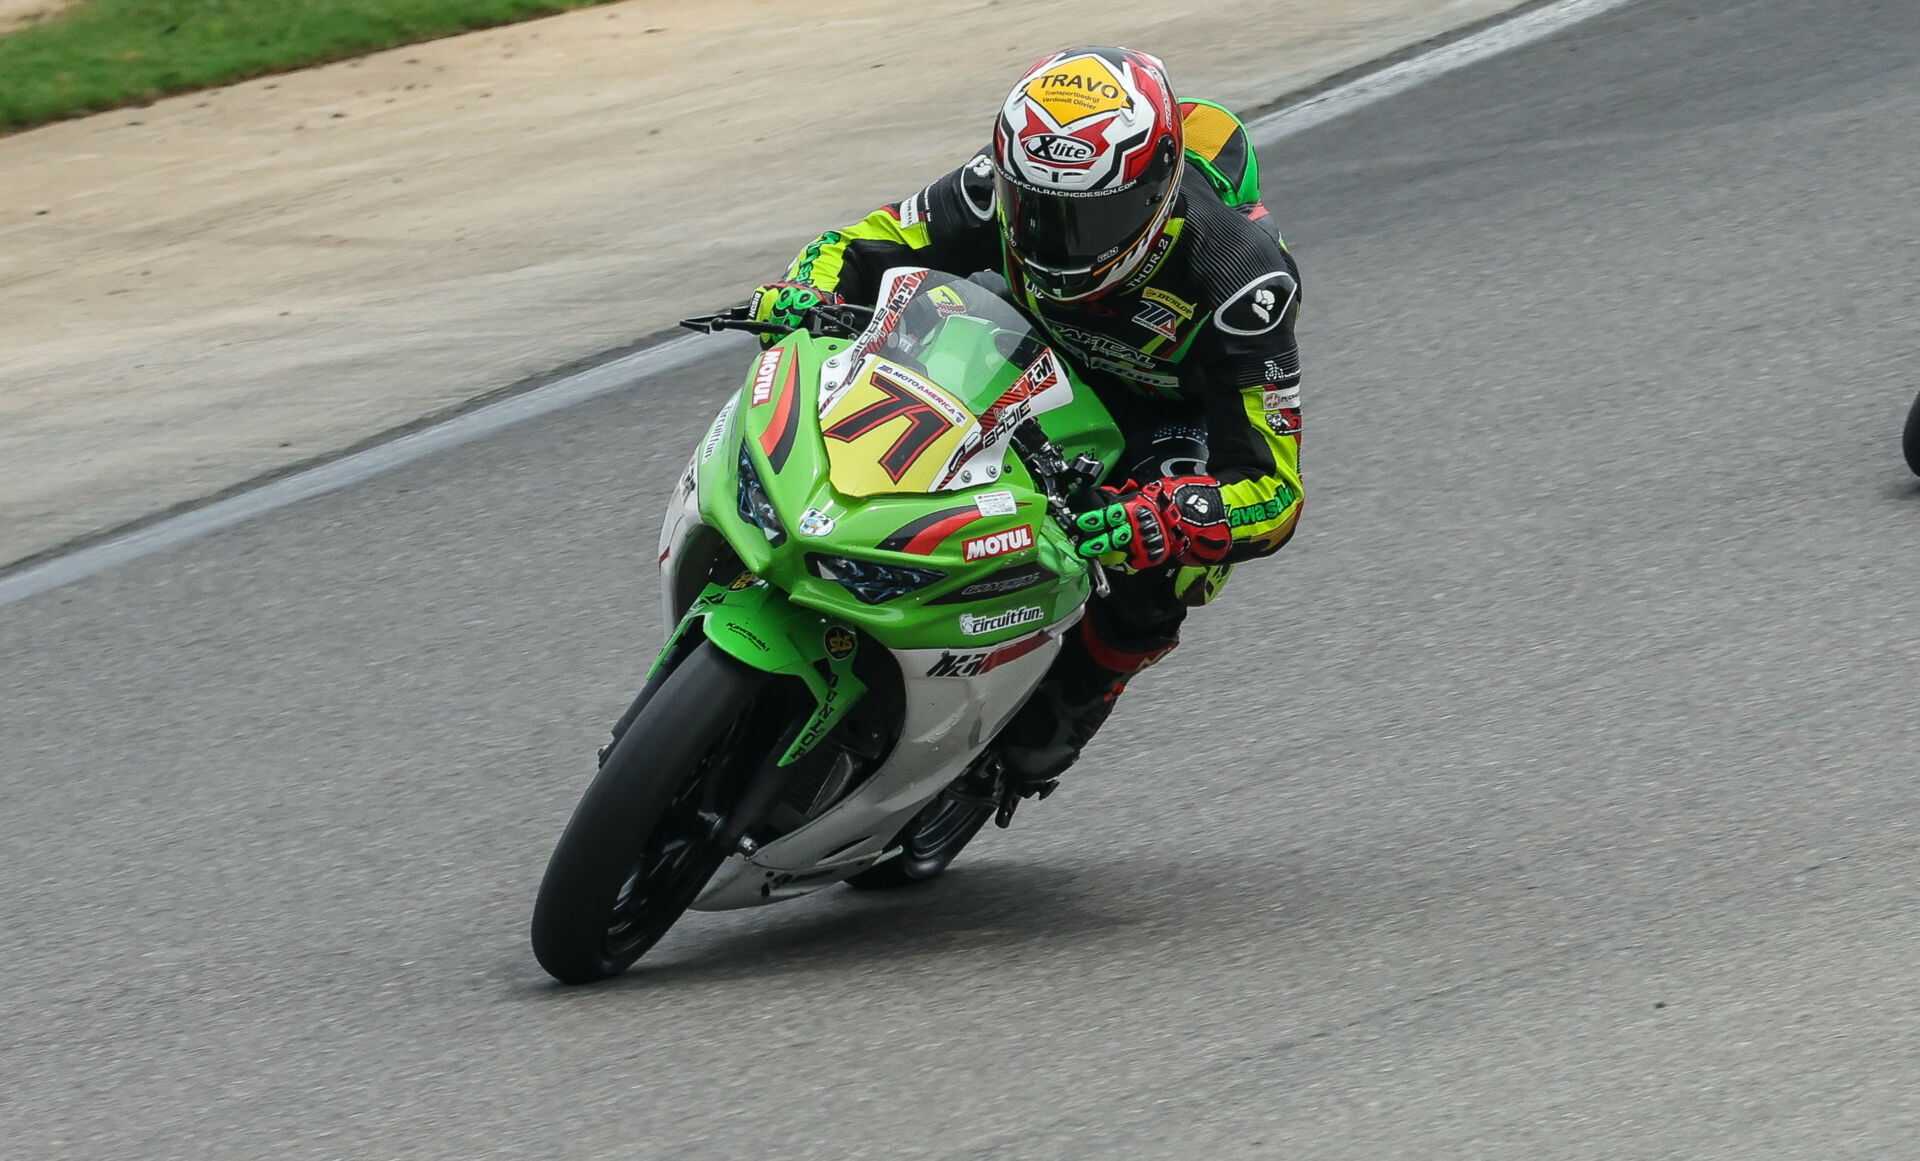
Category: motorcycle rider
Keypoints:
(1127, 224)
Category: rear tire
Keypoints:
(642, 842)
(931, 841)
(1910, 442)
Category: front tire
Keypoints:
(1910, 441)
(645, 838)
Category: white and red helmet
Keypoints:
(1087, 161)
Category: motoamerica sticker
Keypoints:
(814, 522)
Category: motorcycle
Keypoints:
(865, 573)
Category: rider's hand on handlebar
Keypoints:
(1181, 519)
(787, 303)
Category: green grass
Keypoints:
(104, 53)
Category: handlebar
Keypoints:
(1058, 481)
(836, 321)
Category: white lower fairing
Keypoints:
(956, 701)
(676, 533)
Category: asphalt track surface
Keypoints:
(1552, 796)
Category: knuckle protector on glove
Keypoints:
(1197, 514)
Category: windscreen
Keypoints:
(926, 397)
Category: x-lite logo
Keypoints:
(925, 424)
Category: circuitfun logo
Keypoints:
(974, 626)
(998, 543)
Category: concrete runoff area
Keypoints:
(232, 282)
(1551, 796)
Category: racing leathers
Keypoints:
(1195, 359)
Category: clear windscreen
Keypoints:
(927, 395)
(957, 333)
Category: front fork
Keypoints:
(756, 624)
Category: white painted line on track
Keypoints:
(1524, 28)
(335, 474)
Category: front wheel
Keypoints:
(647, 833)
(1910, 443)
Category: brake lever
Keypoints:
(1057, 478)
(1063, 515)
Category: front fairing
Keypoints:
(962, 521)
(1000, 560)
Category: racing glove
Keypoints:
(787, 303)
(1182, 519)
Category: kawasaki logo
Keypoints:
(1262, 512)
(998, 543)
(974, 626)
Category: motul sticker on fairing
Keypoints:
(997, 543)
(974, 626)
(763, 376)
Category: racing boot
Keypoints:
(1048, 733)
(1072, 702)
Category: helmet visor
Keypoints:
(1071, 235)
(1071, 239)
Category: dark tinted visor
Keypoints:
(1073, 234)
(1067, 243)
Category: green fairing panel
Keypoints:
(993, 563)
(1084, 425)
(758, 626)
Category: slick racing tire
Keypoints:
(937, 834)
(1910, 442)
(643, 840)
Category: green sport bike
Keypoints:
(866, 573)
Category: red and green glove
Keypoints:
(1182, 520)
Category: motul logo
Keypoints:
(763, 377)
(998, 543)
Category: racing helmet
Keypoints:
(1087, 158)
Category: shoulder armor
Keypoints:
(976, 185)
(1259, 306)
